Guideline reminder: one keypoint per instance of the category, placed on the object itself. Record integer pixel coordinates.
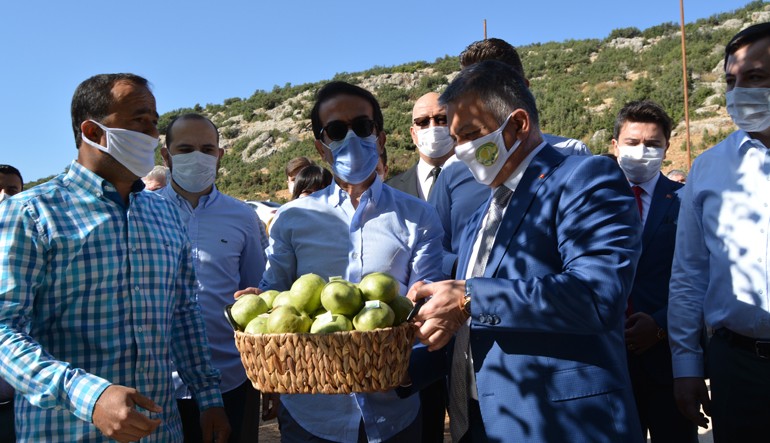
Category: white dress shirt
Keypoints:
(720, 271)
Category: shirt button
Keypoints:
(761, 292)
(140, 329)
(355, 255)
(136, 288)
(99, 194)
(133, 249)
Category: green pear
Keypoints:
(379, 286)
(282, 299)
(284, 319)
(341, 297)
(329, 322)
(258, 325)
(401, 306)
(374, 315)
(305, 293)
(268, 297)
(246, 308)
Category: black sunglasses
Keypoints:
(424, 122)
(337, 130)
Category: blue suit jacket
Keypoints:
(547, 317)
(649, 293)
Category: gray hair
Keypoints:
(159, 173)
(500, 88)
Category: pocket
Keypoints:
(584, 381)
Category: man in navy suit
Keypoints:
(539, 353)
(431, 136)
(641, 138)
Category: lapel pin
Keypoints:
(669, 196)
(542, 176)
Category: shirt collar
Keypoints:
(649, 185)
(95, 184)
(745, 142)
(513, 180)
(338, 195)
(203, 202)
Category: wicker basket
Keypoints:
(334, 363)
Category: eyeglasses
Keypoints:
(424, 122)
(337, 130)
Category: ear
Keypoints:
(323, 152)
(518, 128)
(665, 151)
(414, 134)
(381, 141)
(221, 154)
(615, 150)
(166, 157)
(92, 131)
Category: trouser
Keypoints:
(7, 431)
(740, 391)
(476, 432)
(292, 432)
(236, 402)
(433, 401)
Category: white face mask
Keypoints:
(434, 141)
(132, 149)
(486, 155)
(749, 108)
(291, 188)
(640, 163)
(194, 171)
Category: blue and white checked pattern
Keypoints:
(93, 293)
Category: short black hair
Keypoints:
(492, 49)
(497, 85)
(333, 89)
(643, 111)
(189, 116)
(746, 37)
(10, 170)
(311, 178)
(93, 98)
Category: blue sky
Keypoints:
(208, 51)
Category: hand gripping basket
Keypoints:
(333, 363)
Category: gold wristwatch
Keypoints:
(465, 302)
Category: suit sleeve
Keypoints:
(575, 269)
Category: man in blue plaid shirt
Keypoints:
(97, 288)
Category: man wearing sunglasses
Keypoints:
(354, 227)
(431, 136)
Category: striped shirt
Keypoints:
(94, 293)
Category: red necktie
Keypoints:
(638, 191)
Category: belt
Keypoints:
(760, 348)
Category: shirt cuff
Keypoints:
(210, 397)
(688, 366)
(84, 393)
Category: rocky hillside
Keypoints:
(579, 84)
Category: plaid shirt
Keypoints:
(94, 293)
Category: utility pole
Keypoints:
(485, 29)
(684, 84)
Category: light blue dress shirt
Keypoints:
(391, 232)
(720, 270)
(93, 293)
(456, 195)
(225, 238)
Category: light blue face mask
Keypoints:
(355, 158)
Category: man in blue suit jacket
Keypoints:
(546, 322)
(641, 138)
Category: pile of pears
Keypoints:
(316, 306)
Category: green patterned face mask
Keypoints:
(486, 155)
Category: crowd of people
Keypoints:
(569, 296)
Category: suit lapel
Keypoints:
(538, 171)
(662, 198)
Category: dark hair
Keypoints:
(643, 111)
(333, 89)
(492, 49)
(190, 116)
(746, 37)
(10, 170)
(296, 164)
(497, 85)
(310, 179)
(93, 98)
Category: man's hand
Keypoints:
(641, 332)
(441, 316)
(115, 414)
(270, 404)
(215, 425)
(690, 393)
(238, 294)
